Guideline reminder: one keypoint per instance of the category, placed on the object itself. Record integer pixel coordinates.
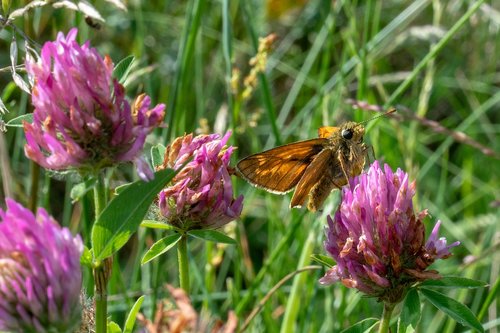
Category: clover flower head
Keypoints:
(40, 274)
(201, 195)
(82, 119)
(377, 240)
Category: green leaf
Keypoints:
(130, 322)
(212, 236)
(86, 258)
(365, 325)
(79, 190)
(122, 68)
(156, 225)
(323, 260)
(113, 327)
(120, 188)
(121, 218)
(452, 308)
(158, 155)
(160, 247)
(454, 282)
(18, 121)
(410, 313)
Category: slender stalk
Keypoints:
(386, 318)
(236, 111)
(227, 52)
(102, 270)
(182, 256)
(101, 277)
(186, 50)
(490, 298)
(209, 272)
(99, 196)
(299, 285)
(35, 180)
(7, 178)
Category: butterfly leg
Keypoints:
(368, 155)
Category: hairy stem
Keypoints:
(386, 318)
(102, 270)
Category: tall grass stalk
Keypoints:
(294, 303)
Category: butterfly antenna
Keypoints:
(391, 110)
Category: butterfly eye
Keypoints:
(347, 134)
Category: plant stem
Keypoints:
(35, 179)
(102, 270)
(99, 196)
(182, 256)
(186, 50)
(297, 293)
(386, 318)
(209, 272)
(490, 298)
(101, 277)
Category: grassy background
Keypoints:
(325, 53)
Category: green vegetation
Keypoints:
(432, 60)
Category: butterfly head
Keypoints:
(352, 132)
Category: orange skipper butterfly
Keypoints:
(313, 167)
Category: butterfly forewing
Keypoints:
(279, 169)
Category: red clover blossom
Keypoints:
(377, 240)
(201, 195)
(81, 119)
(40, 274)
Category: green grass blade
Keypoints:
(130, 322)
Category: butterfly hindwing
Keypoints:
(313, 174)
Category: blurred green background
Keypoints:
(406, 54)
